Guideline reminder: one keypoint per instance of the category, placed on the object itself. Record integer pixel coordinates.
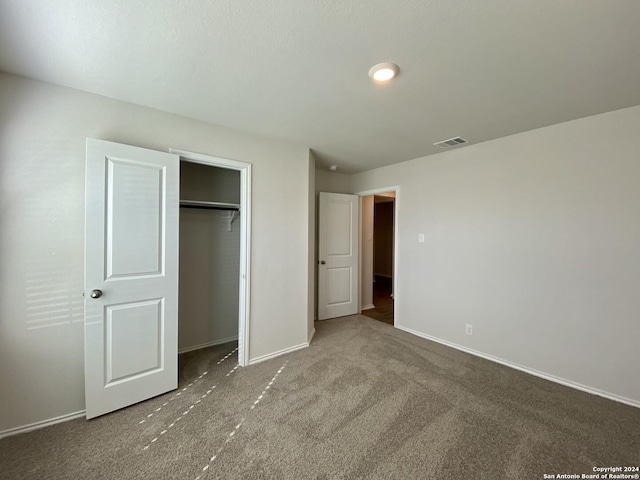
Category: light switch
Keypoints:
(421, 238)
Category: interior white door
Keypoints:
(337, 255)
(131, 275)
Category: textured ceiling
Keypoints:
(297, 70)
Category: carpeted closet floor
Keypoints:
(363, 401)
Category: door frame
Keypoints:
(244, 302)
(396, 203)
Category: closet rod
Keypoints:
(214, 205)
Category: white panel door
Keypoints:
(131, 275)
(337, 255)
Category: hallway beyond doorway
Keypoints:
(382, 300)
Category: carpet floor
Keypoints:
(363, 401)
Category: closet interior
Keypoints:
(209, 256)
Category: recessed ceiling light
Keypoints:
(383, 72)
(333, 168)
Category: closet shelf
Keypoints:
(215, 205)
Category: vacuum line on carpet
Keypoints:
(237, 427)
(227, 356)
(185, 388)
(171, 425)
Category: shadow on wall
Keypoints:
(51, 298)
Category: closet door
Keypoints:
(131, 275)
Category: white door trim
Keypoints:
(245, 240)
(396, 293)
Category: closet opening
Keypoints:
(213, 296)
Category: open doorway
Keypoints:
(378, 225)
(214, 253)
(209, 272)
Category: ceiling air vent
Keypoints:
(452, 142)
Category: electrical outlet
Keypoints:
(421, 238)
(469, 329)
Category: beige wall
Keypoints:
(209, 278)
(332, 182)
(207, 183)
(42, 155)
(534, 240)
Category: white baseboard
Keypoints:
(208, 344)
(367, 307)
(530, 371)
(313, 332)
(41, 424)
(269, 356)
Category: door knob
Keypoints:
(95, 293)
(322, 262)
